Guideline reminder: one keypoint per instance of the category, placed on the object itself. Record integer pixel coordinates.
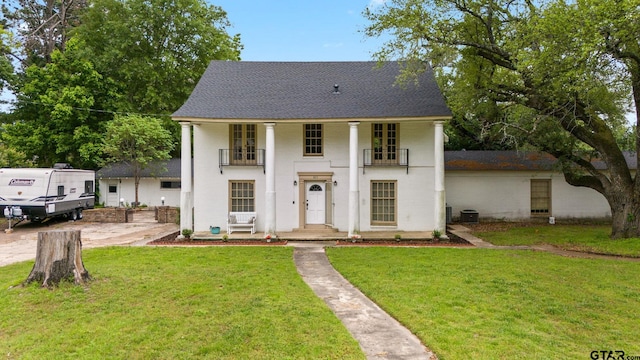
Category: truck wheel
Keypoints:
(79, 213)
(74, 215)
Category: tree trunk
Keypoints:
(625, 219)
(58, 257)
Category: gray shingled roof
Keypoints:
(305, 90)
(121, 170)
(513, 160)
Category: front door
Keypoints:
(315, 203)
(113, 196)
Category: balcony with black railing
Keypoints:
(382, 157)
(241, 157)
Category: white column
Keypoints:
(440, 199)
(354, 183)
(270, 180)
(186, 196)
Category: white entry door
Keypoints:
(113, 198)
(315, 203)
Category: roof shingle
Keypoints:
(305, 90)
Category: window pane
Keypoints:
(242, 196)
(313, 139)
(383, 202)
(540, 197)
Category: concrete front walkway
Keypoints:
(380, 336)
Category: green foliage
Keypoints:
(495, 304)
(11, 158)
(58, 117)
(7, 47)
(136, 141)
(554, 76)
(156, 50)
(516, 72)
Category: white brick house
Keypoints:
(313, 146)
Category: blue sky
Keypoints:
(301, 30)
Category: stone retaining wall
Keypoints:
(108, 215)
(167, 215)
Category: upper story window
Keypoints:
(243, 144)
(385, 143)
(312, 139)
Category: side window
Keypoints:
(61, 190)
(541, 197)
(170, 185)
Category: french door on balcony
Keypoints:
(385, 143)
(243, 144)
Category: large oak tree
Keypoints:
(557, 76)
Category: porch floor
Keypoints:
(317, 235)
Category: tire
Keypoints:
(80, 214)
(74, 215)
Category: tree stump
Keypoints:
(58, 257)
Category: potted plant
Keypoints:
(187, 233)
(398, 237)
(225, 237)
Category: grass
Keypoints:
(173, 303)
(586, 238)
(501, 304)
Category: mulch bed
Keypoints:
(453, 241)
(172, 240)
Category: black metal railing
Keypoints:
(379, 157)
(240, 157)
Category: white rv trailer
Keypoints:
(37, 194)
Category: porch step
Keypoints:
(321, 230)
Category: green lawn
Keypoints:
(173, 303)
(589, 238)
(501, 304)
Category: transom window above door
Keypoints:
(312, 140)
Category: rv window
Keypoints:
(88, 187)
(113, 189)
(61, 190)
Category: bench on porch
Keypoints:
(241, 221)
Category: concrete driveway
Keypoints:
(21, 244)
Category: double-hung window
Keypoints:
(541, 197)
(384, 196)
(241, 195)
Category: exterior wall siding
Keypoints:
(415, 189)
(149, 192)
(506, 195)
